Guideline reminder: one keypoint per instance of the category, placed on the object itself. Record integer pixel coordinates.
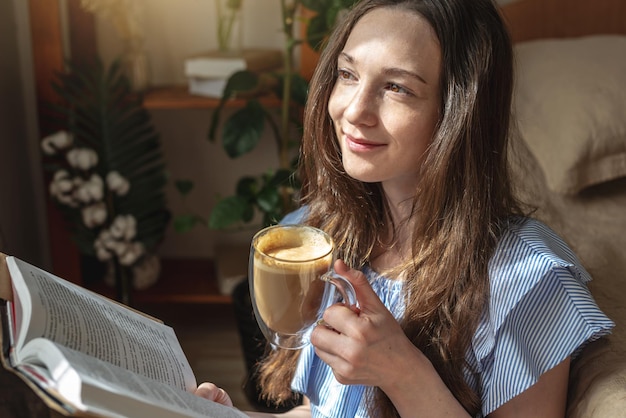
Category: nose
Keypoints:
(361, 107)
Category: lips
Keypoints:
(360, 144)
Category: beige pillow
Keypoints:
(570, 107)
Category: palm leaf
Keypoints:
(100, 110)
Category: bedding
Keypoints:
(593, 222)
(570, 107)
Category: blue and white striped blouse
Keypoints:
(540, 312)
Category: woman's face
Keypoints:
(386, 99)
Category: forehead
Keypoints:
(399, 35)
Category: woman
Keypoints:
(467, 307)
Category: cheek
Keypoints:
(333, 106)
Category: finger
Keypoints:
(326, 339)
(340, 319)
(368, 299)
(213, 393)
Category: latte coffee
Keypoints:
(286, 270)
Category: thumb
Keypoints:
(367, 299)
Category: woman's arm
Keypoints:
(545, 399)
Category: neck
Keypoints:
(395, 245)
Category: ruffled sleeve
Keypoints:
(540, 312)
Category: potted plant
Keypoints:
(107, 173)
(270, 194)
(228, 22)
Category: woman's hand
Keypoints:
(213, 393)
(362, 347)
(369, 347)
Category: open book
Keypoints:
(86, 355)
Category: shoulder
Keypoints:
(529, 256)
(529, 248)
(297, 216)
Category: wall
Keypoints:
(22, 221)
(176, 29)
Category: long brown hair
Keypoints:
(463, 199)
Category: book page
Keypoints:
(100, 387)
(84, 321)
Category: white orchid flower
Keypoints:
(117, 183)
(102, 253)
(62, 187)
(89, 191)
(106, 239)
(82, 158)
(133, 252)
(124, 227)
(94, 215)
(119, 247)
(95, 186)
(56, 142)
(61, 183)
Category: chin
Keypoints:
(363, 177)
(362, 170)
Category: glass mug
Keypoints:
(292, 282)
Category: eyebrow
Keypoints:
(394, 71)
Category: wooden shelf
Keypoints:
(183, 280)
(178, 97)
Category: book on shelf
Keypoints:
(208, 87)
(221, 65)
(86, 355)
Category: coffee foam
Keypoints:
(299, 244)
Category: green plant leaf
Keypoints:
(316, 31)
(318, 6)
(228, 211)
(247, 187)
(184, 187)
(299, 88)
(243, 130)
(240, 81)
(184, 223)
(248, 214)
(269, 199)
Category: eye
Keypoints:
(396, 88)
(344, 75)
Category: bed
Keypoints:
(569, 154)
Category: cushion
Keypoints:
(570, 108)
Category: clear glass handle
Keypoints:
(343, 286)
